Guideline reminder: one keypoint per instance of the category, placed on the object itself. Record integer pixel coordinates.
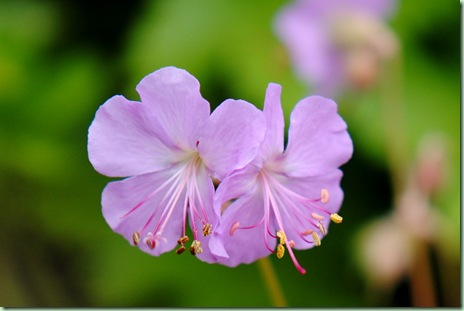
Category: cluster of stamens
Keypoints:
(195, 248)
(297, 209)
(182, 180)
(181, 242)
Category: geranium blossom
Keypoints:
(335, 44)
(170, 147)
(284, 198)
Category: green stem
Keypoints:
(271, 282)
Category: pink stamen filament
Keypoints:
(152, 194)
(183, 179)
(296, 212)
(184, 216)
(200, 201)
(172, 204)
(303, 200)
(251, 226)
(266, 225)
(295, 195)
(193, 192)
(168, 193)
(269, 197)
(187, 183)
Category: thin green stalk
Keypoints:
(272, 284)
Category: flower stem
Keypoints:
(271, 283)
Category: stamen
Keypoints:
(196, 248)
(280, 251)
(151, 243)
(233, 228)
(136, 238)
(317, 216)
(281, 235)
(321, 227)
(207, 229)
(325, 196)
(307, 232)
(291, 243)
(150, 240)
(180, 250)
(336, 218)
(183, 240)
(317, 240)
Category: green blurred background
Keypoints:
(60, 60)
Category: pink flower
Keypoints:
(337, 44)
(284, 198)
(171, 147)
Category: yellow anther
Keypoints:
(280, 251)
(196, 248)
(336, 218)
(207, 229)
(317, 240)
(281, 235)
(183, 240)
(321, 227)
(136, 238)
(325, 196)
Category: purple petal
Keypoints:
(134, 204)
(273, 143)
(173, 98)
(309, 44)
(124, 140)
(305, 28)
(318, 141)
(245, 245)
(232, 137)
(235, 186)
(325, 10)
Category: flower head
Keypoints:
(284, 200)
(335, 44)
(170, 147)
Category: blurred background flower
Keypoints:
(339, 44)
(60, 60)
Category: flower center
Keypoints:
(183, 189)
(303, 216)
